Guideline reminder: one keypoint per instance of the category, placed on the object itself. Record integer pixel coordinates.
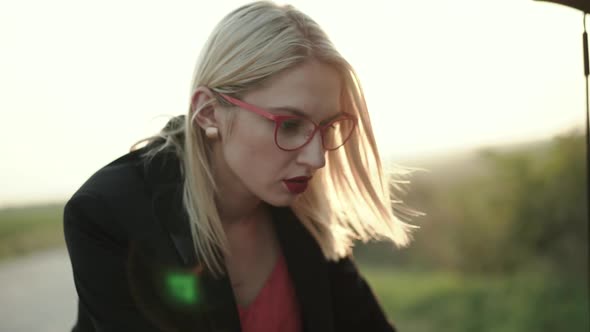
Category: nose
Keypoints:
(313, 154)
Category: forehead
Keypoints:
(312, 87)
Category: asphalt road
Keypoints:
(37, 293)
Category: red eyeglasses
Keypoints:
(294, 132)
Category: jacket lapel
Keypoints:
(217, 298)
(307, 269)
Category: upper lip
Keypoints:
(299, 178)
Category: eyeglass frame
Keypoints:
(279, 119)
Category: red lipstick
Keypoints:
(297, 185)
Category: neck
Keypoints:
(246, 234)
(240, 213)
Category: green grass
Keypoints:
(437, 301)
(28, 229)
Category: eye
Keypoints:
(292, 125)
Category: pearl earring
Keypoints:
(211, 132)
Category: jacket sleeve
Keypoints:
(355, 306)
(98, 253)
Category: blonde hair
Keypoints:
(350, 199)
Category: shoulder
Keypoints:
(356, 306)
(133, 174)
(95, 208)
(122, 191)
(112, 180)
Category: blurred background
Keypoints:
(486, 96)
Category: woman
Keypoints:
(242, 214)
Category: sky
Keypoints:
(81, 81)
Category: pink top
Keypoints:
(275, 308)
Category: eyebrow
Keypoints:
(298, 112)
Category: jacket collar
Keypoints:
(305, 261)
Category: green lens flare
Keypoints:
(183, 287)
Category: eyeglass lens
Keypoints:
(294, 133)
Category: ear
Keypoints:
(205, 103)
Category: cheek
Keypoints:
(252, 155)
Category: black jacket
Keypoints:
(128, 236)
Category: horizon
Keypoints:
(426, 158)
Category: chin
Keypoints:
(280, 200)
(279, 203)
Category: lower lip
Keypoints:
(295, 187)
